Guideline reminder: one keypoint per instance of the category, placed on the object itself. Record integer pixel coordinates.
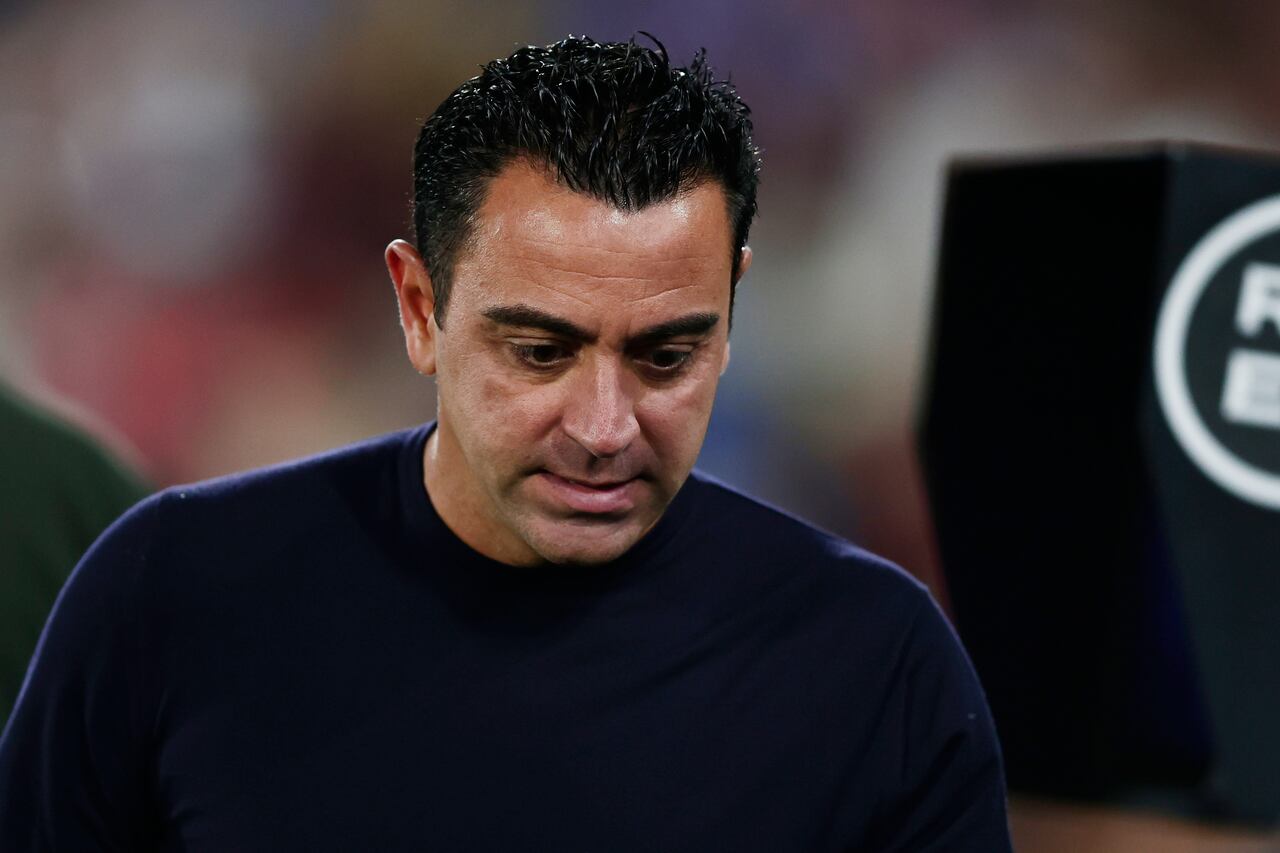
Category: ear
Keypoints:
(417, 303)
(744, 263)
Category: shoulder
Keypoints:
(189, 538)
(195, 543)
(304, 494)
(753, 531)
(358, 465)
(794, 581)
(868, 639)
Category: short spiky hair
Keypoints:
(615, 121)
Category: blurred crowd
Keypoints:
(194, 199)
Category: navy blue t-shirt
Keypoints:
(307, 658)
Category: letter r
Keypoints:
(1259, 299)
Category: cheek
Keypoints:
(482, 388)
(514, 412)
(497, 419)
(676, 420)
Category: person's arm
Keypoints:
(61, 487)
(75, 755)
(949, 791)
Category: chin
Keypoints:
(570, 544)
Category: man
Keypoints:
(525, 626)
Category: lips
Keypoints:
(592, 497)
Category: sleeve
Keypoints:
(59, 490)
(74, 755)
(948, 789)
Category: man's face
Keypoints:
(576, 367)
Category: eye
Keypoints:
(541, 355)
(666, 361)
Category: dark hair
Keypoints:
(615, 121)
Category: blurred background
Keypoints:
(194, 199)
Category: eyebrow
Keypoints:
(692, 325)
(529, 317)
(526, 316)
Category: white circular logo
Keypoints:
(1236, 354)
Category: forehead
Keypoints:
(534, 237)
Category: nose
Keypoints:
(600, 413)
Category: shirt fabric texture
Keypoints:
(307, 658)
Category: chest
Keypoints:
(429, 737)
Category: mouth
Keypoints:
(593, 497)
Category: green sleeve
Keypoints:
(59, 490)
